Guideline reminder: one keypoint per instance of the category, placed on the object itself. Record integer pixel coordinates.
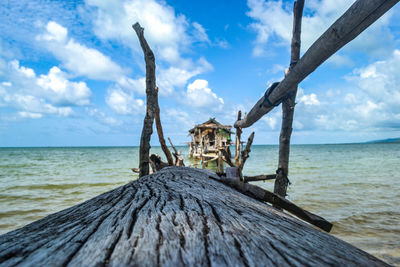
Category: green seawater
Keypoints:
(355, 186)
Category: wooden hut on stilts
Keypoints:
(208, 139)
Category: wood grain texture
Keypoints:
(354, 21)
(178, 216)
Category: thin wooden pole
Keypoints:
(161, 134)
(237, 140)
(151, 97)
(354, 21)
(281, 181)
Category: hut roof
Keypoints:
(211, 123)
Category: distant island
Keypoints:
(389, 140)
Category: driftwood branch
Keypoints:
(160, 132)
(156, 163)
(261, 177)
(151, 98)
(135, 170)
(354, 21)
(177, 155)
(264, 195)
(246, 152)
(288, 104)
(237, 140)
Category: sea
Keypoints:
(354, 186)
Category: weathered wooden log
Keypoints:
(161, 133)
(354, 21)
(175, 217)
(151, 97)
(288, 104)
(261, 177)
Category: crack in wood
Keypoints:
(134, 248)
(216, 215)
(181, 203)
(188, 221)
(112, 248)
(134, 217)
(74, 252)
(205, 231)
(160, 239)
(238, 246)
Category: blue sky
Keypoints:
(72, 72)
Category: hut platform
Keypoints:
(177, 216)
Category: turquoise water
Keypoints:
(357, 186)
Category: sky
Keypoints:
(72, 73)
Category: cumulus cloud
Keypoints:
(178, 77)
(379, 98)
(274, 19)
(170, 36)
(368, 102)
(32, 95)
(123, 103)
(199, 95)
(63, 92)
(167, 32)
(77, 58)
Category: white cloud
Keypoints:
(367, 103)
(200, 33)
(309, 100)
(134, 85)
(274, 18)
(77, 58)
(166, 32)
(34, 96)
(27, 72)
(201, 96)
(63, 92)
(178, 77)
(123, 103)
(271, 121)
(170, 36)
(31, 115)
(102, 117)
(182, 117)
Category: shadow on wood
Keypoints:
(177, 216)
